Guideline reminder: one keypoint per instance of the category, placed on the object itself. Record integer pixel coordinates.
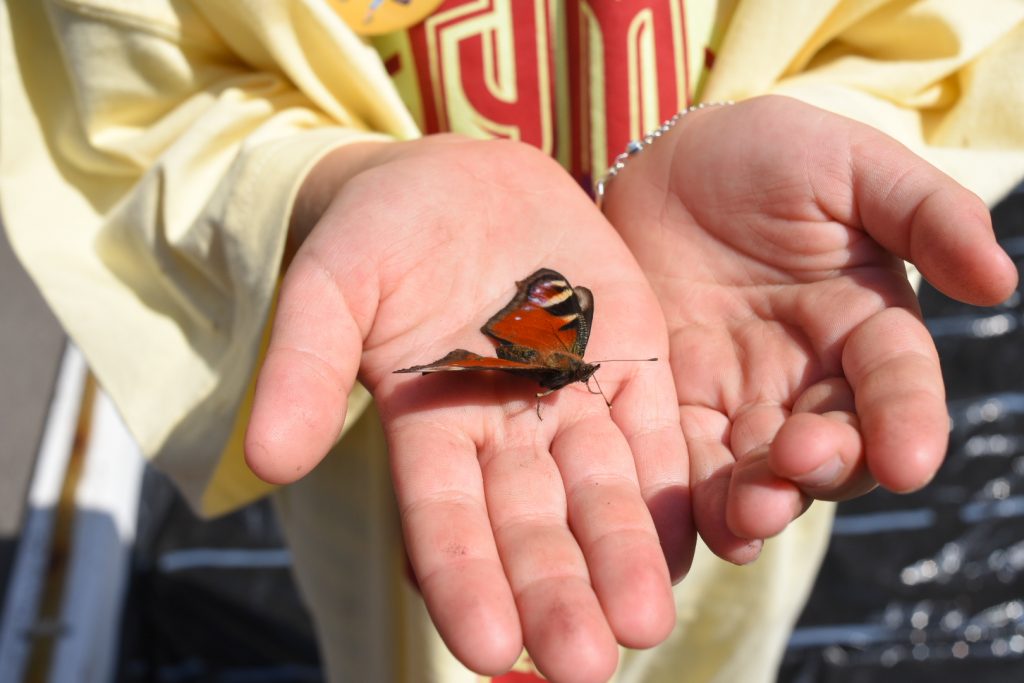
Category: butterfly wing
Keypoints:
(460, 359)
(547, 314)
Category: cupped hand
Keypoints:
(520, 530)
(773, 233)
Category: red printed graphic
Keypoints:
(518, 677)
(493, 59)
(576, 78)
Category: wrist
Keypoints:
(634, 147)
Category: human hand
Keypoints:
(772, 232)
(519, 530)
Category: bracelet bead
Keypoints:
(634, 147)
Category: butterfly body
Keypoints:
(541, 334)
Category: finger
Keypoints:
(823, 455)
(648, 416)
(450, 544)
(819, 447)
(613, 527)
(309, 369)
(760, 503)
(700, 355)
(563, 626)
(925, 217)
(711, 467)
(893, 368)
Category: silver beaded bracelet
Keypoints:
(636, 146)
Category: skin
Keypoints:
(753, 247)
(801, 364)
(520, 531)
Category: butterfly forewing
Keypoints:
(547, 313)
(460, 359)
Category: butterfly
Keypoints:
(541, 334)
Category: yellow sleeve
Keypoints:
(149, 155)
(941, 76)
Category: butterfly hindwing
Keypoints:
(585, 300)
(547, 315)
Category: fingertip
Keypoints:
(804, 450)
(638, 598)
(954, 246)
(739, 551)
(1002, 281)
(583, 669)
(295, 420)
(710, 498)
(262, 455)
(568, 638)
(907, 469)
(259, 460)
(894, 369)
(640, 629)
(761, 504)
(906, 446)
(274, 465)
(476, 616)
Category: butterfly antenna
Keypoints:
(612, 360)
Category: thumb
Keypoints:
(309, 369)
(919, 213)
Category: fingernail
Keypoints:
(824, 474)
(749, 553)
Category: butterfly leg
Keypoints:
(599, 391)
(541, 395)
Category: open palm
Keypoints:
(773, 233)
(519, 529)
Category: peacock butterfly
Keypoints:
(542, 334)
